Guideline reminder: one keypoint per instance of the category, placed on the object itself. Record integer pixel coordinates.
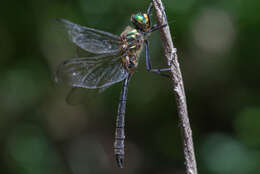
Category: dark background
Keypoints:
(218, 52)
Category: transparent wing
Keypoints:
(77, 96)
(91, 72)
(92, 40)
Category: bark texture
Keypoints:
(170, 53)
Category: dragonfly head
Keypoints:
(141, 21)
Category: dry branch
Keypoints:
(170, 53)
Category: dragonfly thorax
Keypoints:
(132, 40)
(131, 45)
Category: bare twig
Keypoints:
(170, 53)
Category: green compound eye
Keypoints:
(140, 18)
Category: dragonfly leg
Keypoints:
(149, 65)
(149, 9)
(120, 124)
(156, 27)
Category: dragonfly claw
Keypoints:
(120, 161)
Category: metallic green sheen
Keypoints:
(140, 18)
(131, 34)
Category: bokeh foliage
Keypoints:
(219, 54)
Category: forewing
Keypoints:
(92, 40)
(91, 72)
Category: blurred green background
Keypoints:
(219, 55)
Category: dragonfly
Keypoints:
(115, 59)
